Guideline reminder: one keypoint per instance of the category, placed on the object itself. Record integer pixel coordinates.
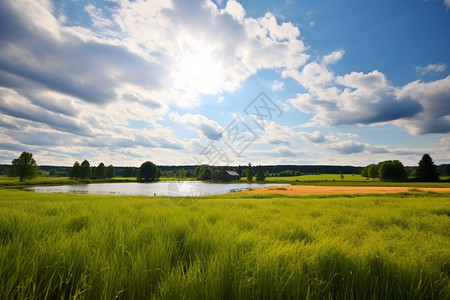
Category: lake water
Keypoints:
(161, 188)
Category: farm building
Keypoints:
(227, 176)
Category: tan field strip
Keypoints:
(324, 190)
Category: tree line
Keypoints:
(394, 170)
(207, 172)
(85, 171)
(25, 167)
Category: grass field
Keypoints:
(349, 180)
(55, 246)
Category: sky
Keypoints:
(225, 82)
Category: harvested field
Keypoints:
(311, 189)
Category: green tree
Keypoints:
(24, 167)
(93, 172)
(100, 171)
(110, 171)
(444, 170)
(249, 172)
(392, 170)
(373, 171)
(203, 172)
(260, 174)
(181, 173)
(148, 171)
(85, 169)
(427, 170)
(365, 172)
(128, 172)
(75, 171)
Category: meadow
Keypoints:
(60, 246)
(351, 180)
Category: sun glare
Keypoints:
(197, 70)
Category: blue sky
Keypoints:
(225, 82)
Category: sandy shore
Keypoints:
(311, 189)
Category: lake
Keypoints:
(161, 188)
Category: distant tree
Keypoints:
(260, 174)
(373, 171)
(24, 167)
(110, 171)
(365, 172)
(392, 171)
(85, 170)
(427, 170)
(444, 170)
(409, 171)
(93, 172)
(100, 171)
(342, 176)
(148, 171)
(249, 172)
(181, 173)
(204, 172)
(75, 171)
(239, 170)
(128, 172)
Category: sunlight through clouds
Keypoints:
(132, 78)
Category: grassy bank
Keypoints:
(230, 246)
(14, 183)
(349, 180)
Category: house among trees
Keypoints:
(225, 175)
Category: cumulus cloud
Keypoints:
(347, 147)
(355, 98)
(204, 126)
(333, 57)
(277, 134)
(314, 137)
(434, 98)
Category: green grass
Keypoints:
(60, 246)
(14, 183)
(321, 177)
(349, 180)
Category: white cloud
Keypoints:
(347, 147)
(431, 68)
(434, 97)
(204, 126)
(235, 9)
(277, 85)
(354, 98)
(333, 57)
(97, 17)
(278, 134)
(447, 3)
(314, 137)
